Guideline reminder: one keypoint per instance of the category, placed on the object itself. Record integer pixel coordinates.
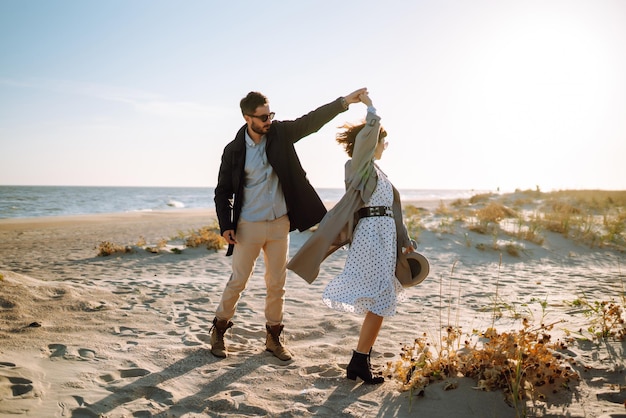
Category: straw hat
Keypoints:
(412, 269)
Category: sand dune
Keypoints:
(127, 335)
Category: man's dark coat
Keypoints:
(304, 206)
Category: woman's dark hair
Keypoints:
(253, 100)
(347, 137)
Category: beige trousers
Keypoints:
(273, 238)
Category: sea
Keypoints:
(43, 201)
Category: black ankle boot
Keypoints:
(360, 367)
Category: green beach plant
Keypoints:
(606, 319)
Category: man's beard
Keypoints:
(261, 131)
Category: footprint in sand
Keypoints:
(63, 351)
(205, 338)
(86, 353)
(6, 364)
(11, 386)
(322, 371)
(126, 331)
(124, 374)
(20, 386)
(182, 318)
(201, 301)
(126, 346)
(123, 290)
(190, 340)
(614, 397)
(57, 350)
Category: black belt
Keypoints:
(368, 211)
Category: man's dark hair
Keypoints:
(253, 100)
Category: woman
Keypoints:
(368, 283)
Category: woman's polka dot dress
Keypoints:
(368, 281)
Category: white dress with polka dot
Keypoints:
(368, 281)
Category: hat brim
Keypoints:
(419, 269)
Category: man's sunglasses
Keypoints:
(264, 118)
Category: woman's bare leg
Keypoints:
(369, 332)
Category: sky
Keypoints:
(481, 94)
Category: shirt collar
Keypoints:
(250, 142)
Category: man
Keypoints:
(262, 194)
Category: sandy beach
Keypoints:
(127, 335)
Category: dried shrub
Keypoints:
(412, 210)
(413, 221)
(495, 212)
(527, 230)
(517, 362)
(458, 203)
(482, 197)
(443, 209)
(615, 226)
(558, 206)
(593, 199)
(512, 249)
(206, 235)
(107, 248)
(592, 217)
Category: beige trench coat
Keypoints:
(335, 229)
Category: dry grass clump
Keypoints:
(412, 210)
(450, 215)
(529, 194)
(480, 198)
(527, 229)
(443, 209)
(160, 245)
(107, 248)
(526, 364)
(489, 217)
(413, 220)
(615, 226)
(592, 217)
(488, 222)
(517, 362)
(560, 217)
(495, 212)
(511, 248)
(594, 199)
(457, 203)
(208, 236)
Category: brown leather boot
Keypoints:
(218, 347)
(273, 343)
